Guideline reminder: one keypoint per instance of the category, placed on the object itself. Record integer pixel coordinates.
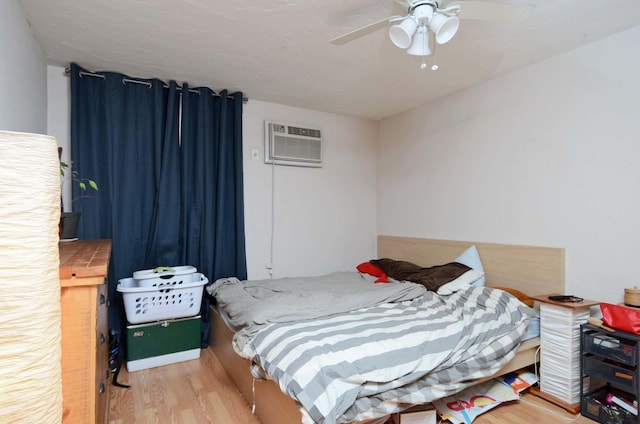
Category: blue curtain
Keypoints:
(212, 182)
(167, 195)
(212, 202)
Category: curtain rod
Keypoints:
(67, 71)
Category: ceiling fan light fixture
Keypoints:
(402, 33)
(423, 12)
(421, 45)
(444, 27)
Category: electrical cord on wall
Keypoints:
(273, 209)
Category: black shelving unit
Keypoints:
(609, 374)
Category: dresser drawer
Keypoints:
(614, 348)
(603, 370)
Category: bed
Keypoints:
(533, 270)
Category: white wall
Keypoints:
(547, 156)
(325, 218)
(23, 102)
(59, 119)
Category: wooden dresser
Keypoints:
(85, 336)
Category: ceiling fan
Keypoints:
(435, 19)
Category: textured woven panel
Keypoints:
(31, 388)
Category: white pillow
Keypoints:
(471, 258)
(462, 282)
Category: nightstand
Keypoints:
(560, 350)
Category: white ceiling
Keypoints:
(279, 51)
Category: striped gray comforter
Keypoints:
(377, 360)
(251, 304)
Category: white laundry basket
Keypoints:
(164, 276)
(146, 302)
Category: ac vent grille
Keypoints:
(307, 132)
(292, 145)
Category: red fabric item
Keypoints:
(383, 279)
(369, 268)
(621, 317)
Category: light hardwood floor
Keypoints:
(200, 391)
(197, 391)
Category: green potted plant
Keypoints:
(69, 220)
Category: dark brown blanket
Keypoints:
(432, 278)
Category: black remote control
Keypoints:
(566, 298)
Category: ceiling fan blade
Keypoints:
(360, 32)
(487, 11)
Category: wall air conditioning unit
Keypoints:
(287, 144)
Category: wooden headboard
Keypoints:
(532, 270)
